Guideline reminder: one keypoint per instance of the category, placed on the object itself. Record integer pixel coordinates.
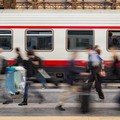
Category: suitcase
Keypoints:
(15, 79)
(9, 81)
(20, 78)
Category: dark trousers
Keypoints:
(96, 77)
(99, 88)
(27, 86)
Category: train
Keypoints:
(55, 34)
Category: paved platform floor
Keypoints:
(108, 107)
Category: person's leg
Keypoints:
(62, 99)
(40, 96)
(70, 90)
(99, 89)
(24, 102)
(4, 92)
(8, 98)
(41, 79)
(91, 79)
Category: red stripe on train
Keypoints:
(62, 63)
(59, 27)
(55, 63)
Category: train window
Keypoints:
(79, 39)
(6, 39)
(114, 39)
(39, 39)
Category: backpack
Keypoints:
(3, 66)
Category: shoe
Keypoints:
(43, 87)
(60, 108)
(99, 100)
(12, 94)
(22, 103)
(8, 102)
(17, 93)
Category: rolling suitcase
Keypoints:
(9, 80)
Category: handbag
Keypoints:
(102, 73)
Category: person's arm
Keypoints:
(18, 61)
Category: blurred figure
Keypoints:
(36, 64)
(96, 66)
(92, 56)
(71, 88)
(32, 66)
(115, 60)
(115, 42)
(114, 67)
(18, 59)
(110, 40)
(1, 57)
(6, 95)
(17, 74)
(118, 100)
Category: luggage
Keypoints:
(9, 80)
(19, 78)
(15, 79)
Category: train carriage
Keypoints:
(54, 34)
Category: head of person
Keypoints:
(96, 47)
(17, 50)
(30, 53)
(98, 51)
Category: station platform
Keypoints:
(108, 107)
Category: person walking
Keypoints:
(32, 66)
(97, 66)
(71, 88)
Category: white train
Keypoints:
(54, 34)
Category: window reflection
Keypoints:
(114, 39)
(39, 40)
(79, 40)
(5, 39)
